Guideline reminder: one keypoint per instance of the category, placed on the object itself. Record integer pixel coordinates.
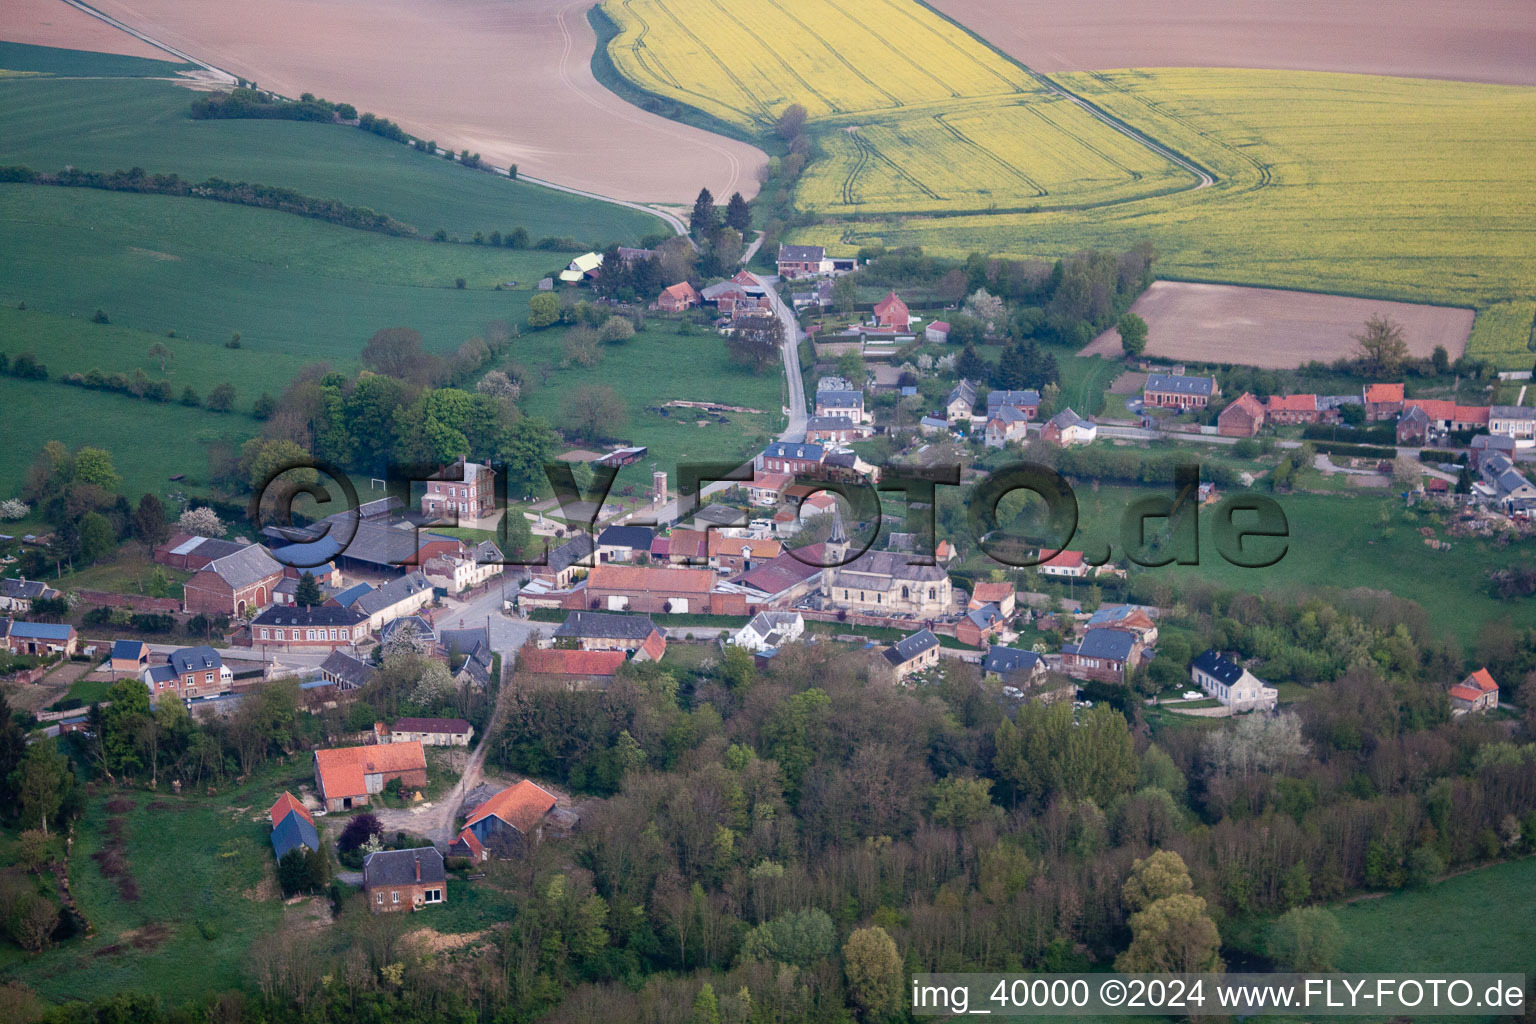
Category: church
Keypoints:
(882, 582)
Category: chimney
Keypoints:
(418, 867)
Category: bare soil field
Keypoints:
(1275, 329)
(1481, 41)
(51, 23)
(508, 79)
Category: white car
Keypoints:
(1192, 695)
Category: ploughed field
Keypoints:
(1275, 329)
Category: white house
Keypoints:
(1230, 683)
(769, 630)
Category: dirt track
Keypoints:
(509, 79)
(1272, 328)
(1485, 41)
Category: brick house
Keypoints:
(1026, 401)
(678, 298)
(1476, 694)
(464, 489)
(1382, 401)
(1106, 655)
(911, 654)
(39, 638)
(635, 635)
(129, 657)
(801, 261)
(1175, 391)
(404, 879)
(189, 672)
(1004, 426)
(1128, 617)
(793, 458)
(978, 625)
(840, 429)
(321, 628)
(1292, 409)
(768, 488)
(505, 823)
(1413, 426)
(234, 584)
(741, 554)
(1241, 418)
(892, 312)
(190, 553)
(348, 777)
(649, 589)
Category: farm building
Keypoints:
(1243, 417)
(347, 777)
(345, 671)
(233, 583)
(635, 635)
(1292, 409)
(432, 732)
(39, 637)
(678, 298)
(511, 819)
(1382, 401)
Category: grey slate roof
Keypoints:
(195, 659)
(572, 552)
(1067, 418)
(292, 832)
(319, 615)
(1004, 660)
(161, 674)
(1175, 384)
(1006, 414)
(721, 515)
(966, 392)
(840, 399)
(22, 589)
(1018, 399)
(802, 253)
(885, 569)
(1213, 664)
(605, 626)
(127, 648)
(907, 648)
(463, 640)
(422, 626)
(1512, 412)
(250, 564)
(1113, 644)
(58, 631)
(398, 867)
(393, 592)
(637, 537)
(829, 423)
(349, 672)
(985, 616)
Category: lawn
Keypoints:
(149, 442)
(115, 124)
(128, 573)
(1382, 187)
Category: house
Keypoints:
(323, 627)
(234, 583)
(1067, 428)
(914, 653)
(1106, 655)
(887, 582)
(17, 595)
(768, 488)
(678, 298)
(801, 261)
(511, 819)
(945, 552)
(293, 831)
(936, 333)
(1005, 426)
(129, 657)
(978, 625)
(189, 672)
(684, 547)
(395, 599)
(1128, 617)
(1230, 683)
(740, 554)
(40, 638)
(1413, 426)
(1064, 565)
(346, 672)
(634, 635)
(892, 312)
(1241, 418)
(1026, 402)
(1476, 694)
(1000, 594)
(961, 403)
(623, 543)
(933, 425)
(404, 879)
(466, 490)
(791, 457)
(1516, 421)
(1470, 417)
(1382, 401)
(840, 429)
(432, 732)
(1485, 446)
(347, 777)
(1292, 409)
(477, 668)
(768, 631)
(848, 404)
(1176, 391)
(582, 266)
(456, 573)
(561, 565)
(1011, 663)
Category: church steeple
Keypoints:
(837, 543)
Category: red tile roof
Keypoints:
(1434, 408)
(1246, 401)
(1462, 691)
(1470, 414)
(472, 844)
(682, 290)
(522, 806)
(1482, 680)
(1066, 559)
(342, 770)
(288, 804)
(556, 661)
(688, 543)
(635, 578)
(1384, 393)
(732, 547)
(774, 481)
(889, 304)
(990, 593)
(1292, 403)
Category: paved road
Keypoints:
(795, 430)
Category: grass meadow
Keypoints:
(115, 124)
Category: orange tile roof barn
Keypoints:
(288, 804)
(522, 806)
(638, 578)
(1292, 403)
(342, 773)
(556, 661)
(1384, 393)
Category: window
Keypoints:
(394, 897)
(279, 634)
(433, 896)
(264, 633)
(333, 634)
(344, 634)
(379, 899)
(309, 634)
(207, 677)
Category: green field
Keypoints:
(110, 124)
(1386, 187)
(87, 63)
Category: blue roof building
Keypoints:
(291, 833)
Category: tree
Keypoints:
(986, 308)
(961, 803)
(221, 398)
(498, 385)
(397, 352)
(1382, 346)
(1050, 752)
(302, 870)
(701, 222)
(1170, 928)
(970, 365)
(595, 412)
(738, 215)
(874, 970)
(1440, 360)
(544, 310)
(41, 782)
(706, 1008)
(581, 347)
(845, 293)
(755, 341)
(94, 466)
(616, 329)
(149, 524)
(264, 406)
(97, 538)
(14, 508)
(358, 831)
(201, 522)
(1133, 334)
(797, 937)
(791, 122)
(1305, 939)
(161, 351)
(308, 591)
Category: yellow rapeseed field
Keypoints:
(911, 113)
